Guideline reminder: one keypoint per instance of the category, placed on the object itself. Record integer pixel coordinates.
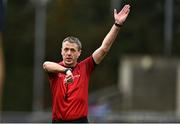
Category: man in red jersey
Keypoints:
(69, 78)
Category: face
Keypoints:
(70, 53)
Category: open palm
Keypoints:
(121, 16)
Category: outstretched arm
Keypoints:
(52, 67)
(119, 18)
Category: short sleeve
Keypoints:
(52, 77)
(89, 63)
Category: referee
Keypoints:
(69, 78)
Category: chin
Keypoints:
(69, 63)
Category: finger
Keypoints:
(115, 11)
(126, 8)
(69, 77)
(69, 80)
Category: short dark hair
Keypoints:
(73, 39)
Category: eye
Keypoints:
(65, 49)
(73, 50)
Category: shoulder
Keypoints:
(88, 63)
(88, 59)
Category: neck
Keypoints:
(69, 65)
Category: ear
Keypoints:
(61, 51)
(79, 53)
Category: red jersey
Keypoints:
(70, 101)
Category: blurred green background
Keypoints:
(90, 21)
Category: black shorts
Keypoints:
(79, 120)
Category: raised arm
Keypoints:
(119, 18)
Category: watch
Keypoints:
(67, 69)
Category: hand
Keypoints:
(69, 77)
(121, 16)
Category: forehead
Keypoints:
(69, 45)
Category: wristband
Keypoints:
(117, 25)
(67, 69)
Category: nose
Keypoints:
(69, 52)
